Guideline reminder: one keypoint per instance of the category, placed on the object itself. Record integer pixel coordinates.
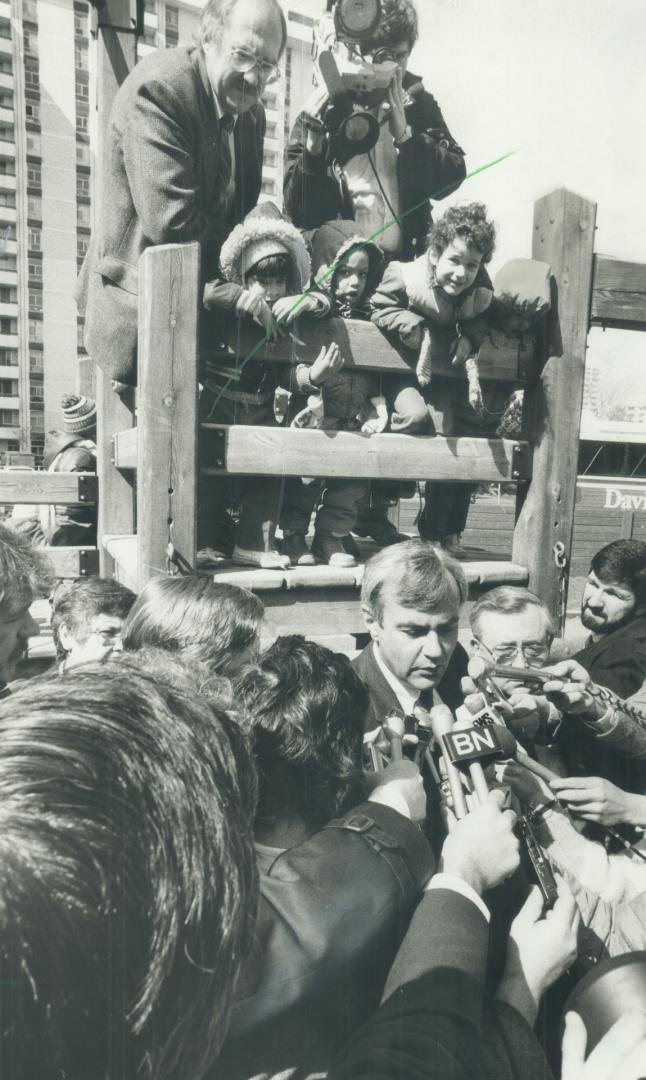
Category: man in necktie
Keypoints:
(183, 163)
(410, 598)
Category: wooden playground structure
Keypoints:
(148, 436)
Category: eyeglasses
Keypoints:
(506, 654)
(244, 61)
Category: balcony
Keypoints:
(6, 46)
(8, 371)
(7, 149)
(9, 311)
(8, 216)
(9, 432)
(7, 183)
(7, 116)
(8, 277)
(9, 341)
(6, 80)
(5, 10)
(8, 402)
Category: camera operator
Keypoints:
(415, 158)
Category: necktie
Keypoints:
(225, 171)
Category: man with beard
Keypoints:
(183, 163)
(613, 609)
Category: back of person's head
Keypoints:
(212, 622)
(128, 885)
(415, 574)
(398, 23)
(305, 708)
(77, 604)
(623, 562)
(467, 222)
(25, 571)
(509, 600)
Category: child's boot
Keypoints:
(330, 549)
(295, 547)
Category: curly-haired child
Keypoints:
(446, 288)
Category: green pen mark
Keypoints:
(333, 269)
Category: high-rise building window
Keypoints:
(34, 174)
(32, 112)
(82, 123)
(82, 244)
(34, 238)
(83, 185)
(7, 167)
(8, 231)
(35, 269)
(9, 357)
(35, 207)
(36, 300)
(30, 42)
(82, 154)
(37, 422)
(8, 326)
(80, 24)
(6, 98)
(7, 198)
(8, 262)
(83, 219)
(33, 144)
(29, 10)
(8, 294)
(35, 392)
(9, 387)
(6, 133)
(171, 26)
(81, 55)
(9, 418)
(6, 64)
(35, 331)
(35, 360)
(5, 28)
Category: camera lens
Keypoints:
(382, 56)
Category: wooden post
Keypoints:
(563, 237)
(114, 23)
(114, 412)
(167, 409)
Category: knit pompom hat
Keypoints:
(79, 414)
(264, 232)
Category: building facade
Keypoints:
(47, 151)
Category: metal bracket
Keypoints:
(521, 464)
(220, 448)
(118, 14)
(88, 488)
(88, 562)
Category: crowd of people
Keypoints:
(222, 859)
(225, 860)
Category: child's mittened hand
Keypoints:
(463, 350)
(412, 338)
(328, 361)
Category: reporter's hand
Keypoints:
(328, 361)
(528, 788)
(620, 1055)
(539, 950)
(595, 799)
(569, 688)
(394, 107)
(527, 713)
(401, 779)
(482, 848)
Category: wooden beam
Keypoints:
(364, 346)
(114, 412)
(74, 562)
(124, 449)
(563, 237)
(618, 293)
(167, 409)
(122, 552)
(72, 489)
(266, 451)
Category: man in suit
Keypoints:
(613, 608)
(410, 598)
(183, 163)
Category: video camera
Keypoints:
(353, 86)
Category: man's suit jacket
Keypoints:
(161, 185)
(382, 700)
(617, 661)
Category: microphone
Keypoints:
(369, 741)
(480, 668)
(395, 727)
(442, 722)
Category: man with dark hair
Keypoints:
(410, 597)
(127, 900)
(87, 619)
(183, 162)
(24, 574)
(613, 609)
(340, 870)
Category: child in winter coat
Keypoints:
(346, 269)
(265, 266)
(447, 287)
